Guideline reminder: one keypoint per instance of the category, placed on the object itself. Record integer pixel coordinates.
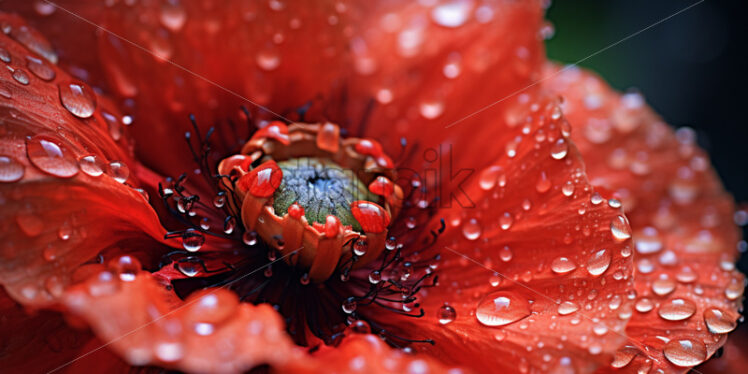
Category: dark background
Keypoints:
(690, 68)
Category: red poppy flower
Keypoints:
(301, 187)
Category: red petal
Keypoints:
(372, 217)
(263, 180)
(209, 332)
(537, 243)
(686, 243)
(62, 185)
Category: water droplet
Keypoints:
(734, 290)
(119, 171)
(717, 322)
(10, 169)
(220, 200)
(268, 59)
(189, 266)
(677, 309)
(21, 77)
(349, 305)
(471, 229)
(375, 277)
(390, 243)
(562, 265)
(543, 184)
(452, 14)
(614, 203)
(126, 267)
(446, 314)
(4, 55)
(567, 307)
(489, 176)
(505, 221)
(644, 305)
(229, 225)
(50, 156)
(44, 8)
(567, 189)
(624, 356)
(599, 262)
(685, 352)
(192, 240)
(663, 286)
(505, 254)
(40, 68)
(173, 15)
(648, 242)
(431, 109)
(502, 308)
(494, 280)
(559, 149)
(249, 238)
(620, 229)
(360, 247)
(78, 99)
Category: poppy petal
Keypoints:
(65, 176)
(532, 277)
(688, 291)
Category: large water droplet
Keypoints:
(624, 356)
(51, 157)
(644, 305)
(446, 314)
(620, 229)
(10, 169)
(502, 308)
(562, 265)
(189, 267)
(677, 309)
(599, 262)
(685, 352)
(718, 322)
(78, 99)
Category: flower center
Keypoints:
(322, 188)
(323, 202)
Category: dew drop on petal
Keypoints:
(446, 314)
(559, 149)
(78, 99)
(685, 352)
(125, 267)
(173, 15)
(677, 309)
(624, 356)
(567, 307)
(599, 262)
(471, 229)
(21, 77)
(620, 229)
(192, 240)
(50, 157)
(91, 165)
(562, 265)
(502, 308)
(268, 60)
(10, 169)
(119, 171)
(717, 322)
(188, 267)
(40, 68)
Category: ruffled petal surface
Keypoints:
(60, 210)
(688, 291)
(538, 272)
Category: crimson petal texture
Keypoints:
(537, 276)
(688, 291)
(64, 161)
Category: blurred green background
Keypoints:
(690, 67)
